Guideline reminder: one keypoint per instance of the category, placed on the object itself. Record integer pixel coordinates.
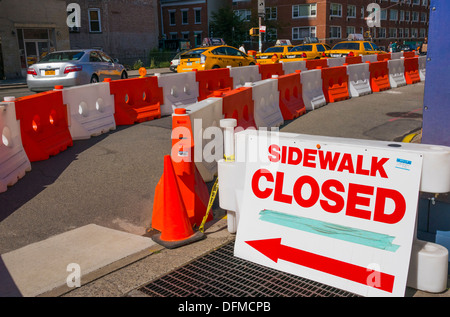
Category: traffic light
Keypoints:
(254, 31)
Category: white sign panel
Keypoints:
(261, 8)
(337, 214)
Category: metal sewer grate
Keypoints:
(220, 273)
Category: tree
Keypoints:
(227, 25)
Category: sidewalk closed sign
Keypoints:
(343, 215)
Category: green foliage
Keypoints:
(227, 25)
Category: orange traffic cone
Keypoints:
(176, 228)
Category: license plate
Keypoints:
(291, 56)
(50, 72)
(189, 63)
(264, 57)
(335, 55)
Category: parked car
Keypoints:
(202, 58)
(274, 53)
(353, 48)
(72, 68)
(306, 51)
(175, 62)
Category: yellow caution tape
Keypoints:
(211, 201)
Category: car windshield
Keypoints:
(62, 57)
(302, 48)
(195, 53)
(346, 46)
(274, 49)
(375, 47)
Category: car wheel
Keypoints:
(124, 75)
(94, 79)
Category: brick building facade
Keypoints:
(124, 29)
(332, 20)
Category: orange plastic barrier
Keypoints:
(267, 70)
(193, 189)
(412, 75)
(382, 57)
(212, 80)
(349, 60)
(315, 63)
(136, 99)
(409, 54)
(379, 76)
(291, 98)
(335, 83)
(175, 227)
(43, 124)
(238, 104)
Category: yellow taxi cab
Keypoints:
(210, 57)
(274, 53)
(306, 51)
(354, 48)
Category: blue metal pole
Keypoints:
(436, 105)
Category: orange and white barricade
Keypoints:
(266, 101)
(178, 90)
(312, 92)
(358, 80)
(244, 74)
(396, 73)
(90, 110)
(292, 67)
(14, 162)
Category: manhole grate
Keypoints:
(220, 273)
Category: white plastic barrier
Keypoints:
(14, 162)
(396, 73)
(178, 89)
(335, 62)
(312, 92)
(369, 58)
(291, 67)
(90, 110)
(396, 55)
(428, 263)
(422, 67)
(244, 74)
(266, 100)
(205, 118)
(358, 79)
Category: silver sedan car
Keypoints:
(72, 68)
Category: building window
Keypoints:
(335, 32)
(407, 14)
(244, 15)
(383, 15)
(299, 33)
(271, 13)
(402, 15)
(270, 35)
(425, 3)
(351, 30)
(414, 33)
(94, 21)
(362, 12)
(423, 17)
(198, 16)
(393, 33)
(304, 10)
(198, 38)
(382, 33)
(173, 35)
(416, 2)
(415, 16)
(184, 16)
(393, 15)
(172, 17)
(351, 11)
(407, 32)
(335, 9)
(185, 35)
(400, 33)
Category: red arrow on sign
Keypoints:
(274, 250)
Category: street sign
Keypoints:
(262, 29)
(337, 214)
(261, 8)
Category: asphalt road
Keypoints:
(110, 179)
